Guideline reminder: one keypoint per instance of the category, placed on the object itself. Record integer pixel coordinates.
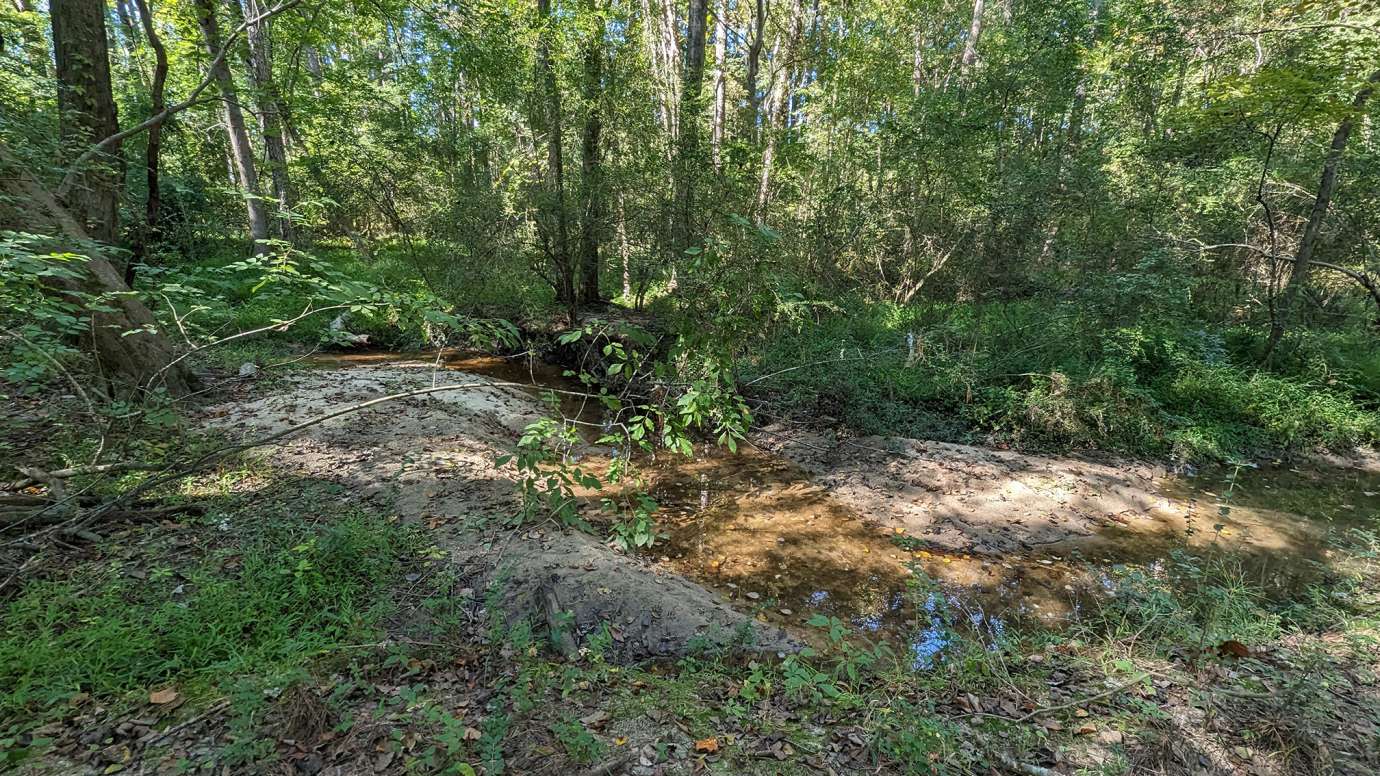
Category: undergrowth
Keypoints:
(1060, 377)
(263, 603)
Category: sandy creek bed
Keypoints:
(797, 523)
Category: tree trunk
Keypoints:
(270, 105)
(753, 65)
(1303, 257)
(623, 251)
(153, 202)
(558, 226)
(970, 55)
(87, 110)
(591, 152)
(716, 132)
(124, 337)
(917, 63)
(240, 149)
(688, 151)
(777, 103)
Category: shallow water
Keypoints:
(755, 528)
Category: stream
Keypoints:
(762, 532)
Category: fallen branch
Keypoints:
(152, 738)
(607, 767)
(1027, 769)
(278, 325)
(35, 476)
(1060, 707)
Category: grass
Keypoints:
(1063, 378)
(263, 604)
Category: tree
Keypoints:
(691, 106)
(153, 199)
(592, 213)
(777, 103)
(125, 340)
(547, 119)
(86, 106)
(270, 109)
(1308, 242)
(242, 154)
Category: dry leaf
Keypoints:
(1233, 648)
(473, 734)
(707, 745)
(164, 696)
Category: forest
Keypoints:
(649, 387)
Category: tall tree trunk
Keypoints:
(752, 67)
(1308, 243)
(670, 54)
(662, 71)
(270, 109)
(624, 253)
(87, 111)
(716, 132)
(970, 44)
(240, 148)
(917, 63)
(777, 103)
(153, 202)
(559, 228)
(591, 167)
(124, 336)
(688, 151)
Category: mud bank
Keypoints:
(432, 460)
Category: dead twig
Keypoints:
(1060, 707)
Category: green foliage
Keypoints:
(40, 326)
(1050, 377)
(276, 601)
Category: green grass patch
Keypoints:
(270, 602)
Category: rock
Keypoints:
(249, 369)
(311, 764)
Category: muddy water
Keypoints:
(758, 530)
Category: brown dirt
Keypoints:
(431, 459)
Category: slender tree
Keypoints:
(153, 200)
(592, 213)
(549, 120)
(241, 152)
(1308, 242)
(691, 106)
(269, 106)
